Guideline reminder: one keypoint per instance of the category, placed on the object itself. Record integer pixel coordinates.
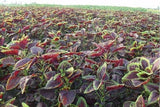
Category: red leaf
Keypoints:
(1, 40)
(19, 30)
(96, 54)
(74, 53)
(15, 46)
(115, 62)
(13, 80)
(26, 28)
(11, 52)
(120, 48)
(67, 97)
(53, 56)
(114, 87)
(90, 61)
(23, 42)
(1, 95)
(109, 44)
(3, 29)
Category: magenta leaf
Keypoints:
(132, 66)
(23, 82)
(151, 87)
(144, 63)
(54, 83)
(48, 94)
(81, 102)
(50, 74)
(129, 104)
(75, 75)
(22, 64)
(8, 61)
(1, 40)
(89, 88)
(120, 48)
(67, 97)
(101, 72)
(139, 82)
(156, 65)
(89, 77)
(130, 75)
(128, 83)
(41, 104)
(23, 42)
(153, 97)
(96, 84)
(2, 89)
(140, 101)
(36, 50)
(143, 75)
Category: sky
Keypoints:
(128, 3)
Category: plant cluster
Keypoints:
(68, 57)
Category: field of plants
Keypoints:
(70, 57)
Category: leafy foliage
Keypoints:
(51, 56)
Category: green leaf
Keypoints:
(24, 105)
